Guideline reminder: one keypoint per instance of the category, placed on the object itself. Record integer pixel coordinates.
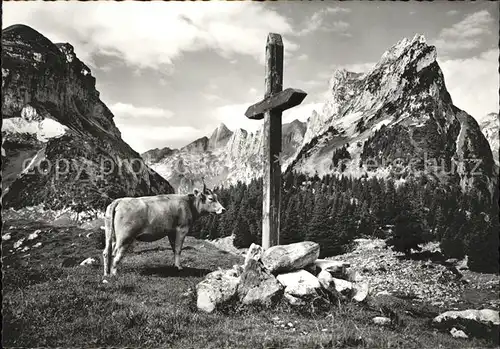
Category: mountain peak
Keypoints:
(219, 137)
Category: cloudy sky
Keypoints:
(171, 72)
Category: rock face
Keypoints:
(490, 126)
(400, 109)
(283, 258)
(223, 158)
(258, 286)
(61, 146)
(474, 322)
(217, 287)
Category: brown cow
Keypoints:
(151, 218)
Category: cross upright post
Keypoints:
(270, 109)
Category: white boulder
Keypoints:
(299, 283)
(286, 258)
(6, 237)
(361, 291)
(257, 286)
(458, 333)
(484, 316)
(334, 285)
(217, 287)
(331, 266)
(19, 243)
(381, 320)
(254, 252)
(89, 261)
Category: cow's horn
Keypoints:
(204, 186)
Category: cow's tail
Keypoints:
(109, 227)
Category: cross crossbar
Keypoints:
(280, 101)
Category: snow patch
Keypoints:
(44, 129)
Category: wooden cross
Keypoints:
(270, 109)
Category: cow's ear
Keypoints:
(196, 192)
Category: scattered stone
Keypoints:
(381, 320)
(25, 248)
(38, 244)
(292, 300)
(334, 285)
(299, 283)
(18, 243)
(361, 291)
(6, 237)
(286, 258)
(33, 236)
(89, 261)
(254, 252)
(336, 268)
(463, 264)
(258, 286)
(354, 276)
(89, 235)
(480, 323)
(105, 281)
(458, 333)
(217, 287)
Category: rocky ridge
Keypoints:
(222, 159)
(60, 145)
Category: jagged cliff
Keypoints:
(60, 145)
(490, 126)
(397, 120)
(224, 158)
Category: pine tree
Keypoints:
(242, 236)
(320, 226)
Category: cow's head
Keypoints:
(208, 201)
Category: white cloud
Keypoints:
(156, 33)
(211, 97)
(124, 110)
(301, 112)
(145, 137)
(303, 57)
(452, 12)
(466, 34)
(321, 20)
(473, 82)
(233, 116)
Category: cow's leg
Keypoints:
(120, 248)
(180, 235)
(171, 239)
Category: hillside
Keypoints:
(50, 300)
(61, 147)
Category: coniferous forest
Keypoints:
(334, 210)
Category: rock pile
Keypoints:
(292, 272)
(478, 323)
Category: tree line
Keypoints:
(334, 210)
